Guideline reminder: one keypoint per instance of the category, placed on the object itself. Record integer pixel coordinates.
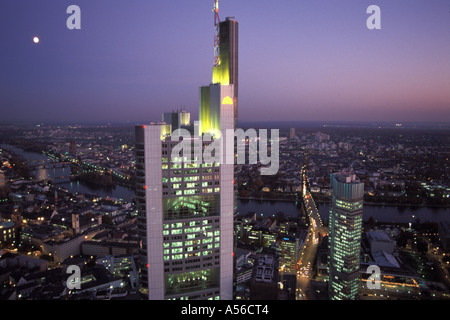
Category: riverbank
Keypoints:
(374, 204)
(380, 213)
(266, 199)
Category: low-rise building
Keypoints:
(7, 233)
(64, 248)
(103, 248)
(122, 266)
(264, 281)
(36, 235)
(380, 241)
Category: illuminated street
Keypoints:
(309, 251)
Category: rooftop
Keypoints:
(384, 259)
(347, 177)
(265, 268)
(7, 225)
(378, 236)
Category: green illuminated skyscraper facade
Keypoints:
(345, 228)
(226, 72)
(185, 211)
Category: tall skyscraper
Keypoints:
(185, 218)
(292, 133)
(225, 72)
(345, 227)
(186, 204)
(72, 148)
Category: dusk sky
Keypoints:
(298, 60)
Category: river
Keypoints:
(118, 192)
(269, 208)
(265, 208)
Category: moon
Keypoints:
(36, 40)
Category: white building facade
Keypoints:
(185, 209)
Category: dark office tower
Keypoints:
(292, 133)
(345, 227)
(177, 119)
(72, 148)
(226, 71)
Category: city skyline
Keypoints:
(101, 200)
(300, 61)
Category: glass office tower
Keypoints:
(345, 227)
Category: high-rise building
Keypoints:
(185, 203)
(177, 119)
(345, 228)
(288, 248)
(226, 70)
(72, 148)
(185, 214)
(292, 133)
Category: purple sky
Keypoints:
(299, 60)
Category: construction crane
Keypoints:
(216, 33)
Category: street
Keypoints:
(308, 254)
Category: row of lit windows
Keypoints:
(190, 184)
(189, 179)
(191, 192)
(191, 223)
(191, 248)
(188, 162)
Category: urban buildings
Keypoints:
(264, 282)
(288, 248)
(345, 228)
(186, 203)
(57, 209)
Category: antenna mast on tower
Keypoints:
(216, 33)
